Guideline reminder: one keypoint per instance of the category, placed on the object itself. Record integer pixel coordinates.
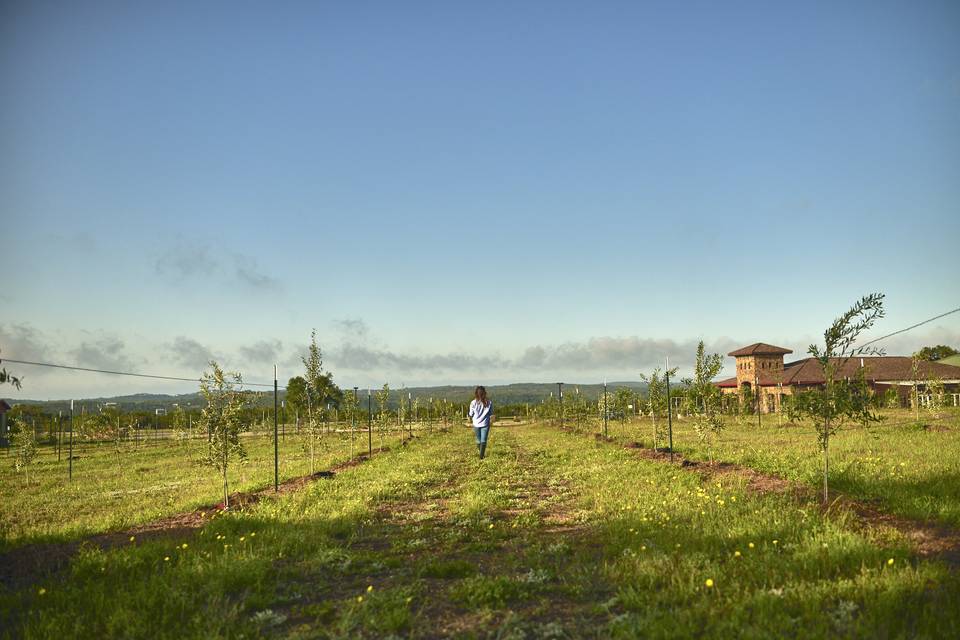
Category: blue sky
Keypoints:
(458, 193)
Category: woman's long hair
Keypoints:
(480, 395)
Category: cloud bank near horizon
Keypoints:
(356, 358)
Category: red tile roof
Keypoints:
(878, 369)
(760, 349)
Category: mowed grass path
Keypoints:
(553, 536)
(897, 465)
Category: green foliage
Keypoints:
(891, 399)
(938, 352)
(606, 403)
(936, 397)
(296, 394)
(318, 390)
(839, 401)
(576, 408)
(657, 401)
(318, 387)
(9, 378)
(24, 444)
(180, 425)
(479, 592)
(623, 399)
(748, 399)
(347, 559)
(383, 403)
(221, 419)
(704, 396)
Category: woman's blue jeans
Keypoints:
(481, 434)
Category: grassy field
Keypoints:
(112, 490)
(555, 535)
(903, 467)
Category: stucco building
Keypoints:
(762, 372)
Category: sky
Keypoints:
(467, 192)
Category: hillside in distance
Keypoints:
(517, 393)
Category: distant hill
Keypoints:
(518, 393)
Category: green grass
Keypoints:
(898, 465)
(553, 536)
(111, 491)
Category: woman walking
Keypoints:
(481, 412)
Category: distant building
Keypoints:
(4, 428)
(760, 369)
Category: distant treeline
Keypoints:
(511, 394)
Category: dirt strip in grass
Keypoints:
(930, 540)
(33, 562)
(474, 541)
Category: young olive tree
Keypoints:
(936, 397)
(384, 417)
(318, 390)
(657, 401)
(351, 411)
(840, 399)
(24, 443)
(915, 392)
(577, 407)
(180, 432)
(606, 403)
(415, 411)
(624, 399)
(222, 420)
(891, 399)
(704, 396)
(296, 398)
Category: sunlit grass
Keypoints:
(554, 535)
(900, 465)
(112, 489)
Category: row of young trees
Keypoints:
(839, 401)
(314, 395)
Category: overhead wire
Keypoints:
(127, 373)
(270, 385)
